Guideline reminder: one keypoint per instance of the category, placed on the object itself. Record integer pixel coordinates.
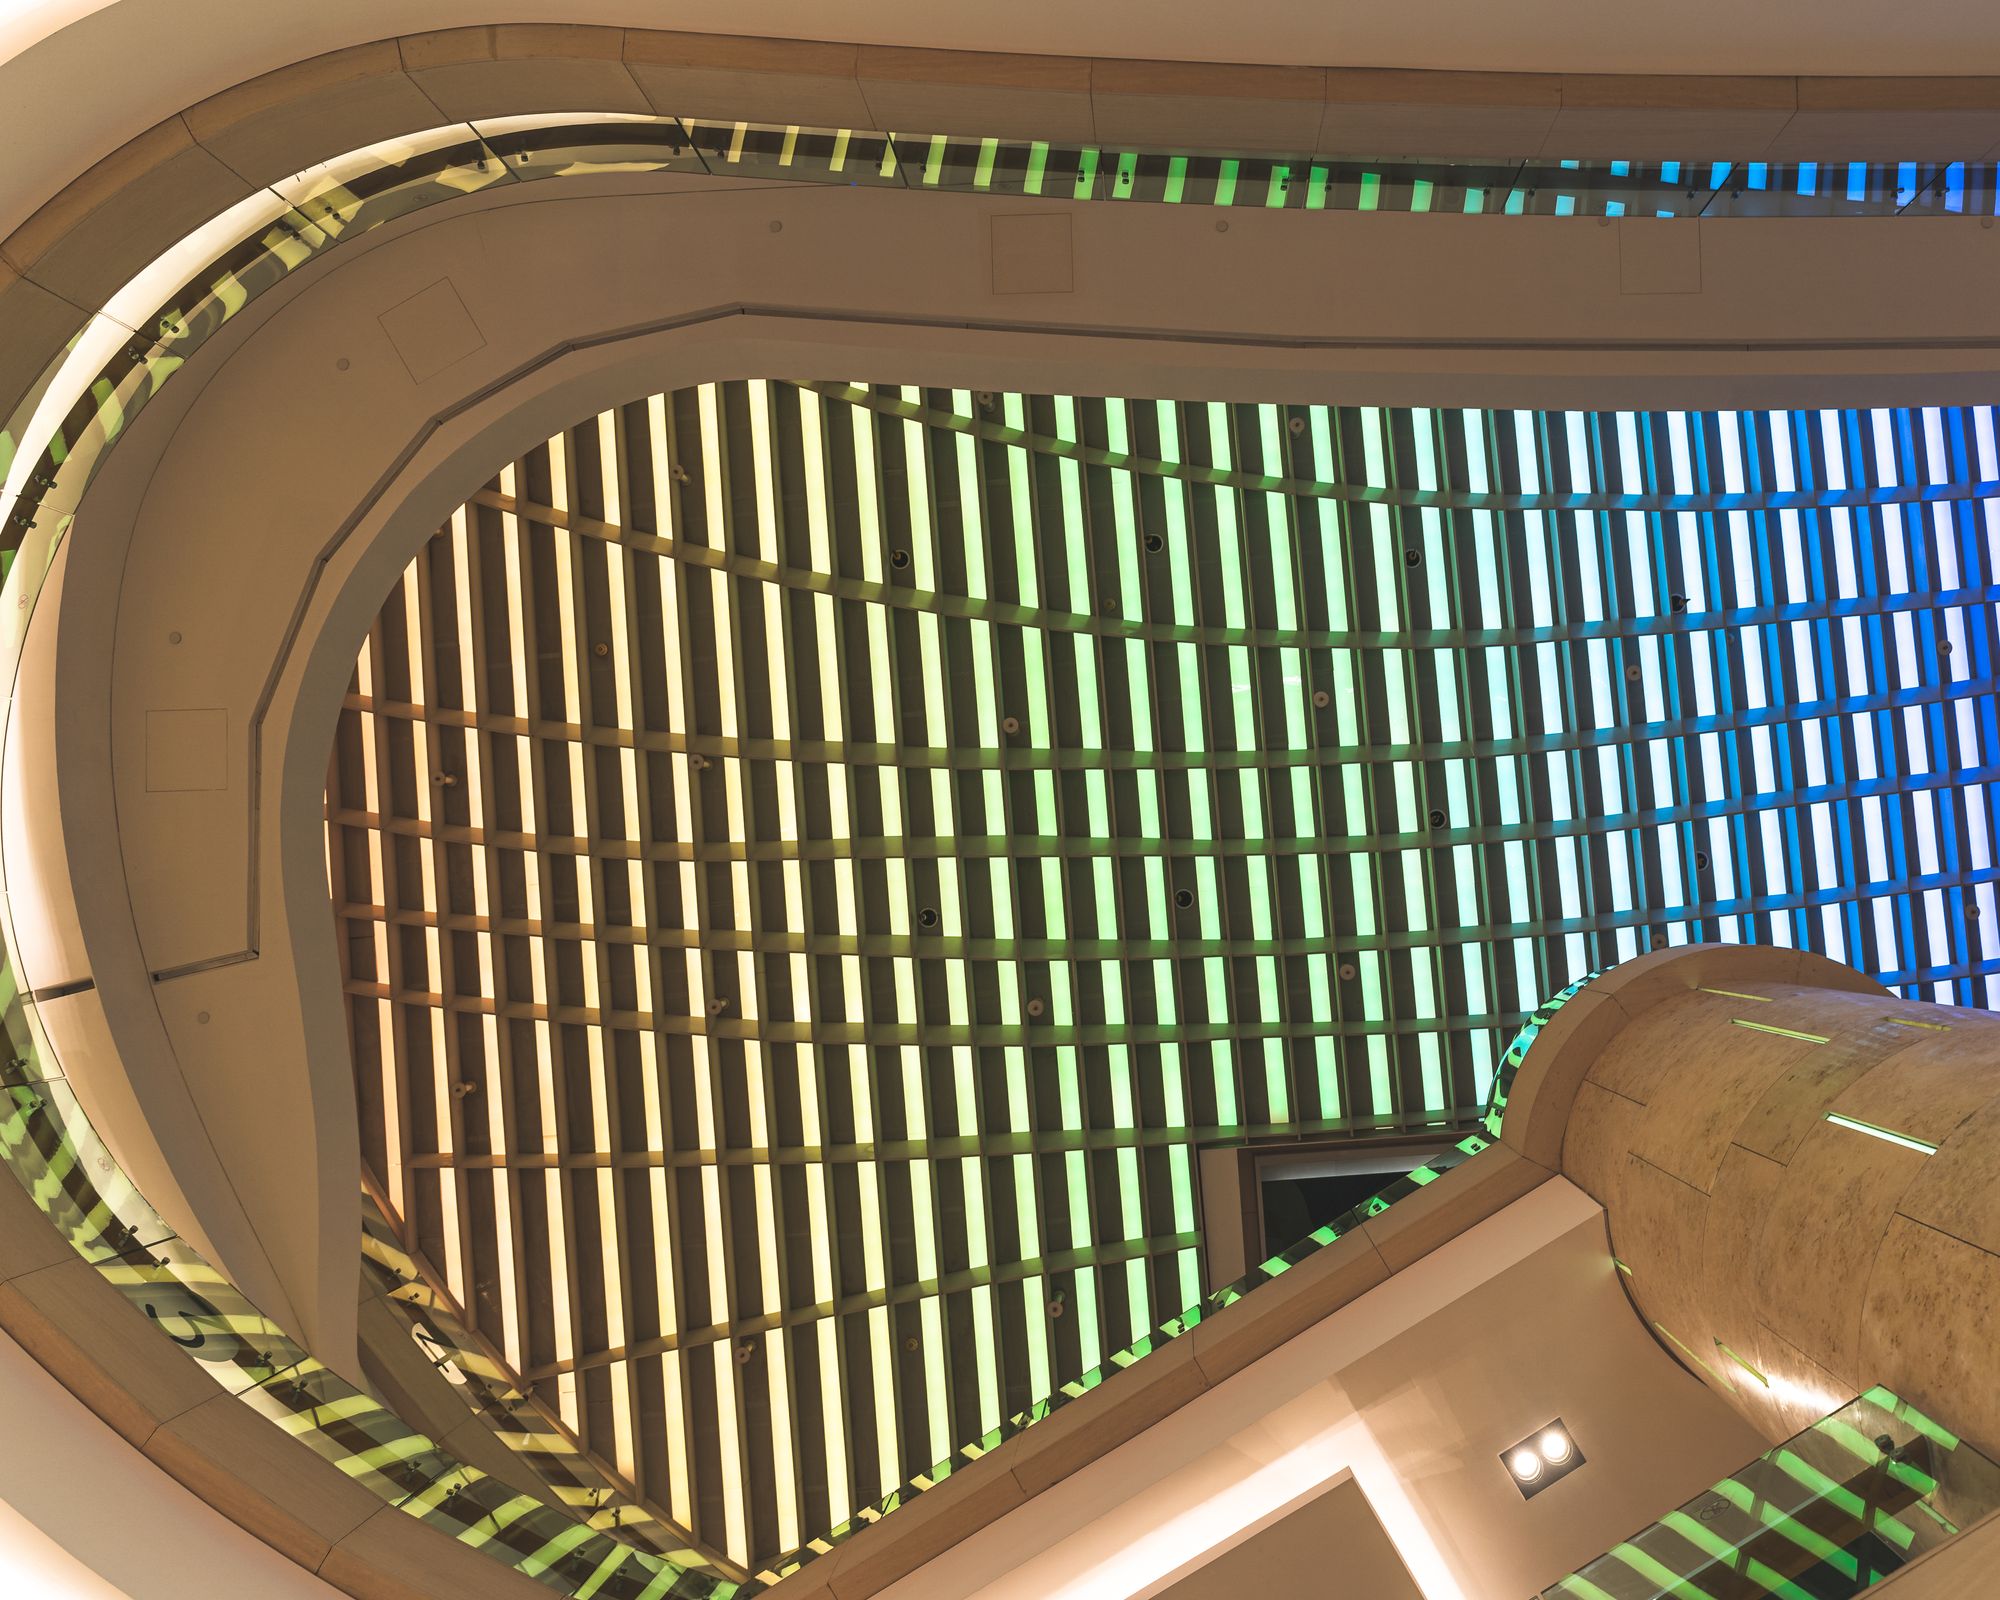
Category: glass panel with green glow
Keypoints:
(1850, 1501)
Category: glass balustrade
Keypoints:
(1833, 1511)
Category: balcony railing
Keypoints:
(1824, 1516)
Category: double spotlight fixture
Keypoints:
(1540, 1459)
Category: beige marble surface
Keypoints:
(1828, 1260)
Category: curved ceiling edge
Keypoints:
(884, 333)
(1670, 158)
(300, 216)
(1507, 92)
(109, 1224)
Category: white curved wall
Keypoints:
(84, 1516)
(26, 23)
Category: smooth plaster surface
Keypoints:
(1336, 1536)
(83, 1516)
(84, 89)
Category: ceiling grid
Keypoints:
(820, 859)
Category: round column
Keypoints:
(1801, 1174)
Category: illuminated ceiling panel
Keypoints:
(817, 860)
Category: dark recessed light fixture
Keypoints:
(1547, 1454)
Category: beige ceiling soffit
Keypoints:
(99, 1346)
(38, 324)
(1892, 119)
(97, 234)
(1475, 115)
(1156, 103)
(116, 214)
(285, 121)
(723, 75)
(92, 1340)
(126, 209)
(1003, 96)
(1666, 119)
(123, 211)
(470, 73)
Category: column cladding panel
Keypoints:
(1798, 1179)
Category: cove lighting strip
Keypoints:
(821, 858)
(1883, 1134)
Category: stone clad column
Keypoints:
(1787, 1259)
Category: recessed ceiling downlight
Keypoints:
(1546, 1455)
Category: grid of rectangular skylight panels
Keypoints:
(817, 860)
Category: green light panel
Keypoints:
(818, 859)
